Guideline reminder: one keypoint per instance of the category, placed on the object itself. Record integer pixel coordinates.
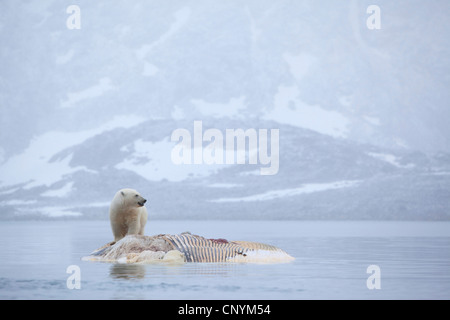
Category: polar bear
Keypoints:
(127, 213)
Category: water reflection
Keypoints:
(127, 271)
(130, 271)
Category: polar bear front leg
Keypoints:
(118, 231)
(143, 220)
(133, 224)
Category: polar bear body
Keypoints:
(127, 213)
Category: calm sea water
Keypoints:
(331, 262)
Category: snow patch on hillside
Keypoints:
(289, 109)
(391, 159)
(152, 160)
(307, 188)
(39, 165)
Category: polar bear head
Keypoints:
(130, 198)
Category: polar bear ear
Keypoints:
(123, 193)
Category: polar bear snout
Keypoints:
(142, 202)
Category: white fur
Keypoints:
(126, 215)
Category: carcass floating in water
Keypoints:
(187, 247)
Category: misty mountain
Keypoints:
(362, 114)
(319, 177)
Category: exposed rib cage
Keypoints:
(199, 249)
